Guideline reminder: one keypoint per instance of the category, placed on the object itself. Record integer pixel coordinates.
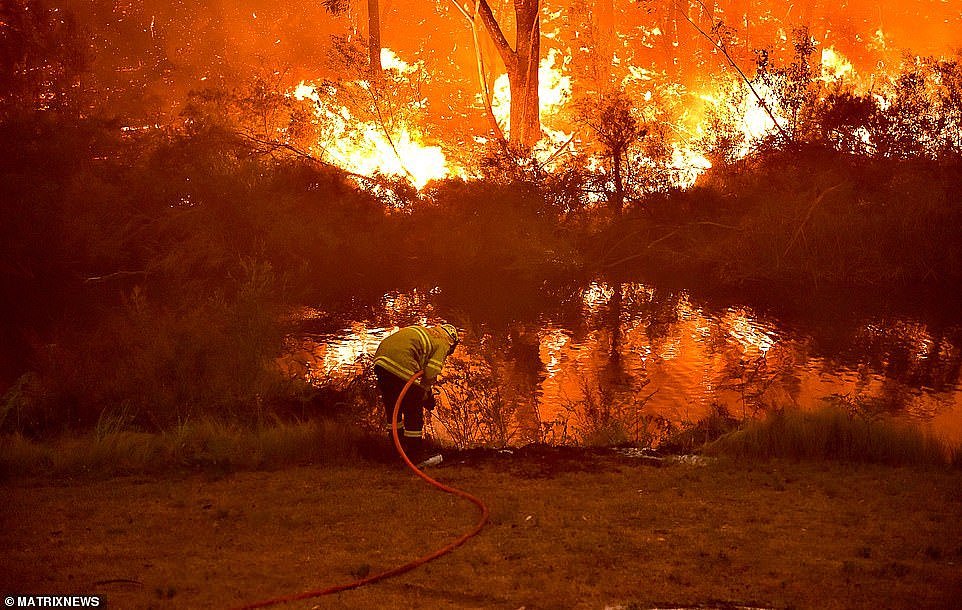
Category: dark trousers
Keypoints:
(411, 416)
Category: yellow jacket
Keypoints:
(412, 349)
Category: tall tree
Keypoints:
(374, 37)
(520, 63)
(339, 7)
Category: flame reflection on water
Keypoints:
(653, 355)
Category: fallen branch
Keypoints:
(486, 16)
(670, 234)
(555, 154)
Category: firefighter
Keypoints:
(398, 357)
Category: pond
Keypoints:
(612, 363)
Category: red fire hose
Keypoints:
(413, 564)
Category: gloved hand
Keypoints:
(429, 401)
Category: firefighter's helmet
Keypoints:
(451, 332)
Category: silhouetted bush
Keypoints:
(498, 233)
(810, 217)
(153, 364)
(154, 282)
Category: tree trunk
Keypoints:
(618, 197)
(374, 37)
(525, 102)
(521, 64)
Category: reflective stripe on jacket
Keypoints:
(412, 349)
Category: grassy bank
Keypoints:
(832, 434)
(604, 532)
(826, 435)
(207, 445)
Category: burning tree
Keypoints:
(520, 62)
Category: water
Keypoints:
(631, 363)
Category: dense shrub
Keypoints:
(148, 274)
(154, 364)
(488, 229)
(154, 284)
(811, 217)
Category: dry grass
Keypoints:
(609, 532)
(207, 444)
(834, 434)
(830, 434)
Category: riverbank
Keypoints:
(604, 530)
(219, 447)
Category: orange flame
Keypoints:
(554, 92)
(370, 147)
(834, 65)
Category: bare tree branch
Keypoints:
(508, 55)
(270, 146)
(113, 276)
(560, 149)
(761, 101)
(387, 132)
